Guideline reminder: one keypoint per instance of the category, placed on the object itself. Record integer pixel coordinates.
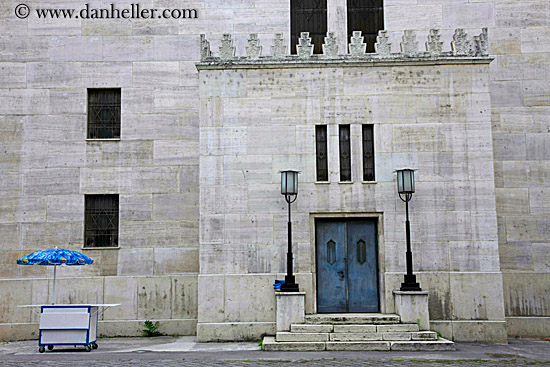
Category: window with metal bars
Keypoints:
(101, 221)
(321, 152)
(366, 16)
(345, 153)
(368, 153)
(308, 16)
(104, 113)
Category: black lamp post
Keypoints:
(405, 188)
(289, 188)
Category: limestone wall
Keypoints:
(46, 164)
(259, 117)
(520, 98)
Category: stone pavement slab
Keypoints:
(185, 351)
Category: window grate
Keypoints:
(321, 152)
(366, 16)
(345, 153)
(103, 113)
(308, 16)
(368, 153)
(101, 221)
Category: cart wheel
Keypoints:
(41, 349)
(94, 345)
(50, 347)
(88, 348)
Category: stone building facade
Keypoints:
(201, 222)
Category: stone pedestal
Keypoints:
(290, 309)
(413, 307)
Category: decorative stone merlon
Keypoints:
(409, 45)
(461, 47)
(383, 45)
(227, 50)
(460, 44)
(434, 45)
(205, 47)
(253, 48)
(357, 47)
(304, 47)
(330, 47)
(482, 43)
(278, 47)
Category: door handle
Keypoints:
(341, 274)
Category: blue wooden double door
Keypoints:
(347, 266)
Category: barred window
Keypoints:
(321, 152)
(101, 221)
(366, 16)
(104, 113)
(368, 153)
(308, 16)
(345, 153)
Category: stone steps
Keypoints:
(284, 336)
(361, 332)
(269, 344)
(351, 318)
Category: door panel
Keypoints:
(347, 266)
(362, 267)
(331, 268)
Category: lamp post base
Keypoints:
(290, 285)
(410, 284)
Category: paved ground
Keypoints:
(184, 351)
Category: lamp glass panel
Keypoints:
(400, 182)
(283, 183)
(289, 182)
(408, 181)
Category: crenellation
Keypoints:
(357, 47)
(461, 46)
(227, 50)
(434, 45)
(278, 47)
(409, 44)
(304, 47)
(330, 47)
(253, 47)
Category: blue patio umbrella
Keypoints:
(55, 256)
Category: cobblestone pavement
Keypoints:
(185, 351)
(340, 362)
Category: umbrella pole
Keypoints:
(53, 296)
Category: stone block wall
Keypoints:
(47, 165)
(434, 116)
(520, 100)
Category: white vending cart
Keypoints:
(68, 325)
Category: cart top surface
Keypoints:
(75, 305)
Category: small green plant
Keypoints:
(151, 328)
(261, 343)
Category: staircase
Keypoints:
(361, 332)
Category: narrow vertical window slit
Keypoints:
(321, 152)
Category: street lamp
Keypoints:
(405, 188)
(289, 188)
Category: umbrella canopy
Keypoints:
(55, 256)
